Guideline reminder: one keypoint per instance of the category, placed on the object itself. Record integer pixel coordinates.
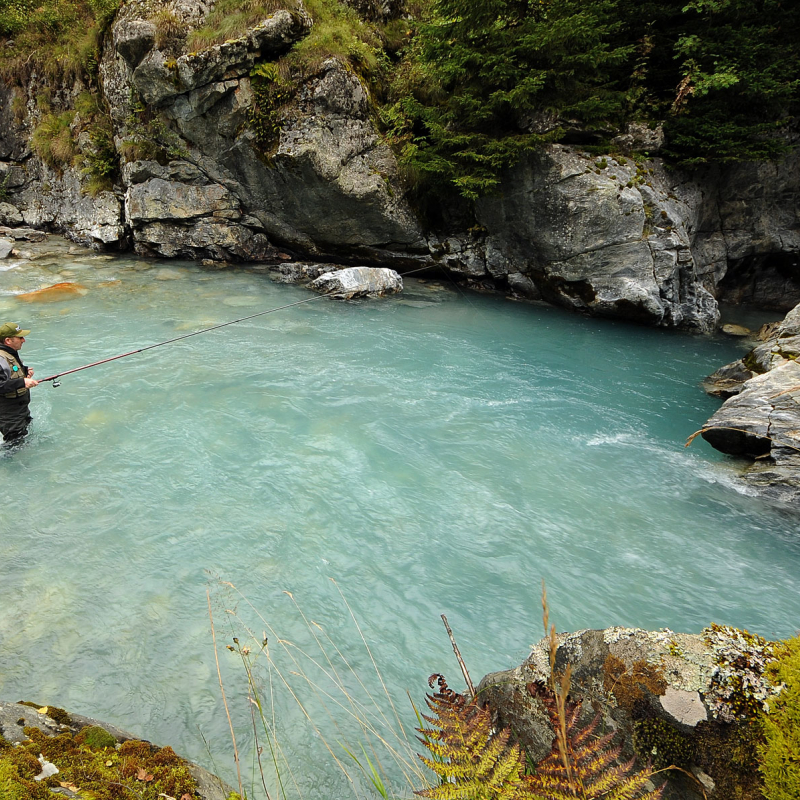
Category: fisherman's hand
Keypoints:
(30, 373)
(30, 383)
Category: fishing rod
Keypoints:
(54, 378)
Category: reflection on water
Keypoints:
(434, 453)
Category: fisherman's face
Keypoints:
(15, 342)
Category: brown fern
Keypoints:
(476, 762)
(593, 769)
(472, 760)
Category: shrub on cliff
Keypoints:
(478, 72)
(57, 38)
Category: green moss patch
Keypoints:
(659, 743)
(91, 763)
(780, 750)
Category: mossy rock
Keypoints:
(58, 715)
(91, 761)
(95, 737)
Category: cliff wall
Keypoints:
(612, 235)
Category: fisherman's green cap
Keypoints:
(10, 329)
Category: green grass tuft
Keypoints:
(230, 19)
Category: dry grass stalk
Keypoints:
(321, 682)
(560, 690)
(222, 689)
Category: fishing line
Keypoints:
(178, 338)
(54, 378)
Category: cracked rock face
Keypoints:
(598, 235)
(608, 236)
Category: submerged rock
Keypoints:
(359, 282)
(736, 330)
(54, 293)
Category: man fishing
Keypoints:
(16, 380)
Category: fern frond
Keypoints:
(472, 760)
(594, 772)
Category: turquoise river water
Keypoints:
(435, 452)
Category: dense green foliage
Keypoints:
(723, 74)
(780, 753)
(464, 88)
(483, 82)
(478, 70)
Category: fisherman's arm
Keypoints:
(8, 385)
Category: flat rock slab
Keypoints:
(359, 282)
(28, 234)
(765, 414)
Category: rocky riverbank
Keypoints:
(760, 418)
(686, 701)
(41, 746)
(615, 235)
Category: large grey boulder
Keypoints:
(330, 187)
(670, 697)
(358, 282)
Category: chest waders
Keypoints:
(14, 406)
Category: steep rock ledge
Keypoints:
(760, 419)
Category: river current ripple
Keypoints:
(435, 452)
